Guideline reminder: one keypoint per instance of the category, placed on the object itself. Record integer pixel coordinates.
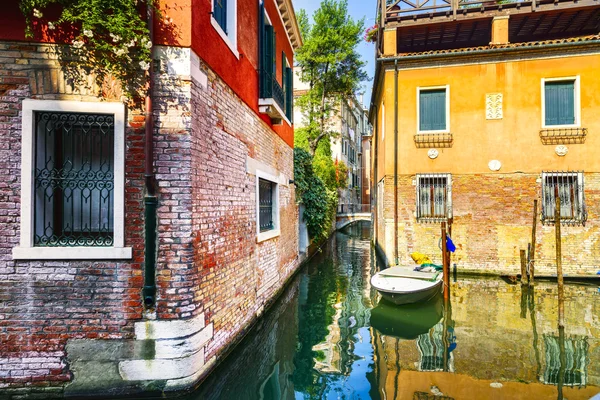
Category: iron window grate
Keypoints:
(569, 186)
(73, 179)
(266, 191)
(433, 197)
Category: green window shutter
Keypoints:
(220, 13)
(432, 110)
(289, 101)
(267, 54)
(559, 103)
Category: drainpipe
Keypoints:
(396, 161)
(150, 199)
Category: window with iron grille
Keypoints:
(266, 205)
(569, 187)
(73, 179)
(434, 200)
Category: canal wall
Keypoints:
(73, 328)
(492, 221)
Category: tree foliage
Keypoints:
(320, 203)
(329, 64)
(110, 37)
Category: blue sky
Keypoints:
(357, 9)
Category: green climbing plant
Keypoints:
(104, 38)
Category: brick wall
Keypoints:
(44, 303)
(493, 216)
(208, 259)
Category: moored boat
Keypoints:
(402, 285)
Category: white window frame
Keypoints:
(448, 196)
(429, 88)
(276, 231)
(577, 100)
(26, 249)
(229, 38)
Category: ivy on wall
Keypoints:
(105, 38)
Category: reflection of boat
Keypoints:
(409, 320)
(402, 285)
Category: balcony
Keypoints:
(272, 98)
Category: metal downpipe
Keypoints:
(150, 198)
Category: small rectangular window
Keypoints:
(433, 197)
(266, 212)
(559, 103)
(569, 186)
(432, 109)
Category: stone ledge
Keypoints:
(169, 329)
(161, 369)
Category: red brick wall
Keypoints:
(44, 303)
(493, 216)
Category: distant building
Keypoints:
(116, 234)
(348, 124)
(479, 110)
(366, 134)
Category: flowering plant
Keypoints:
(371, 34)
(108, 38)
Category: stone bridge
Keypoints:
(350, 213)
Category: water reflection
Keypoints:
(330, 336)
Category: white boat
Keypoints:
(402, 285)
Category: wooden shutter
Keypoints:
(559, 103)
(289, 101)
(432, 110)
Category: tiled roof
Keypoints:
(525, 45)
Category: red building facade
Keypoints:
(220, 241)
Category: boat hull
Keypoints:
(408, 298)
(404, 290)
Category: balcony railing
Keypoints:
(411, 10)
(271, 89)
(353, 208)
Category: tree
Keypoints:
(329, 63)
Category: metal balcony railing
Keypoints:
(271, 89)
(353, 208)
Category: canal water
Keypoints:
(330, 336)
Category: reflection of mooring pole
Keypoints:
(532, 252)
(445, 263)
(559, 272)
(445, 339)
(563, 361)
(534, 328)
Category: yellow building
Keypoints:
(479, 109)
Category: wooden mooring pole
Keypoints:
(532, 252)
(445, 263)
(559, 272)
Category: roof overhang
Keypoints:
(286, 9)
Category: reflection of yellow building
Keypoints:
(477, 111)
(498, 342)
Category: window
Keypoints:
(433, 109)
(569, 186)
(72, 202)
(267, 206)
(560, 104)
(287, 79)
(434, 200)
(224, 20)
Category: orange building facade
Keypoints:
(479, 110)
